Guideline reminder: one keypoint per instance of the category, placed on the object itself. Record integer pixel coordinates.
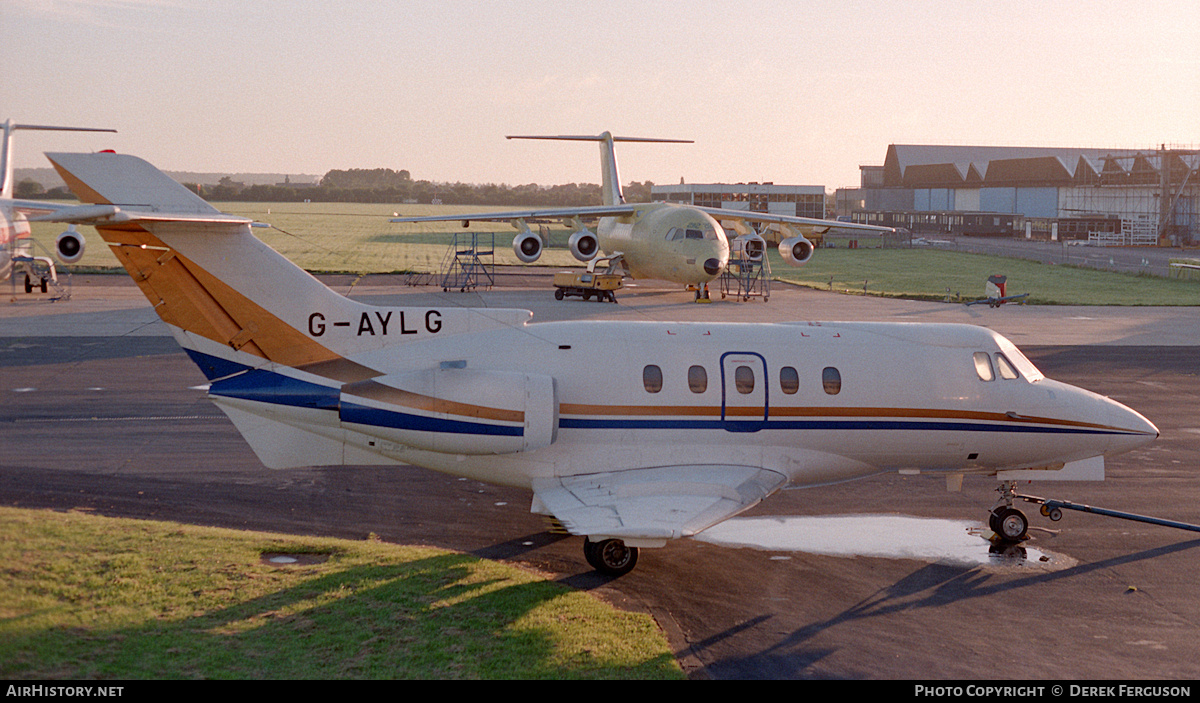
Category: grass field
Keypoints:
(357, 238)
(85, 597)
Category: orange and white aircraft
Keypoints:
(16, 243)
(664, 241)
(631, 434)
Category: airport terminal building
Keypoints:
(1105, 196)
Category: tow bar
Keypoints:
(1052, 508)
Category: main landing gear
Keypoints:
(610, 556)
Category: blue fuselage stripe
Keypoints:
(363, 415)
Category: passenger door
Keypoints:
(743, 391)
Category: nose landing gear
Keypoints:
(1009, 524)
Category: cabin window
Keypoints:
(743, 379)
(697, 379)
(831, 380)
(789, 380)
(1007, 370)
(652, 378)
(983, 367)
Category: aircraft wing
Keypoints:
(113, 214)
(647, 507)
(807, 225)
(35, 206)
(546, 214)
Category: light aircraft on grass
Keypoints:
(16, 242)
(630, 434)
(665, 241)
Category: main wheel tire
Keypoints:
(610, 556)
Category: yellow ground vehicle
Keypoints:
(590, 282)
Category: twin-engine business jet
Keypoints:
(16, 255)
(631, 434)
(664, 241)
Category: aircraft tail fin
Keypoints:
(6, 163)
(231, 301)
(610, 178)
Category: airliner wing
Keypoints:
(807, 225)
(546, 214)
(34, 206)
(647, 507)
(112, 215)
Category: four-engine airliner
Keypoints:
(664, 241)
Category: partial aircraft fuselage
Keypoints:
(669, 242)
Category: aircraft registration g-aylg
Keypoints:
(630, 434)
(16, 241)
(665, 241)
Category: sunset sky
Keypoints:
(790, 92)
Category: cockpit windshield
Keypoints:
(1024, 365)
(696, 231)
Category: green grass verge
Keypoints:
(931, 274)
(357, 238)
(83, 596)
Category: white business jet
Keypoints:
(664, 241)
(16, 242)
(631, 434)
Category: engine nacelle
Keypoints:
(749, 247)
(584, 245)
(69, 246)
(455, 410)
(796, 251)
(527, 246)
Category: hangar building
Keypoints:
(1128, 197)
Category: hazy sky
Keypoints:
(792, 92)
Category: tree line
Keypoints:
(383, 185)
(388, 186)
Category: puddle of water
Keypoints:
(962, 542)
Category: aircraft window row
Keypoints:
(743, 379)
(986, 372)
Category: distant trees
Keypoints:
(384, 185)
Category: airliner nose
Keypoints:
(1132, 429)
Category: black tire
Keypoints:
(558, 294)
(28, 284)
(610, 556)
(1010, 524)
(44, 284)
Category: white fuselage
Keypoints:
(908, 396)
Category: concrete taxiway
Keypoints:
(102, 412)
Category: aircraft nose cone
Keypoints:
(712, 266)
(1134, 430)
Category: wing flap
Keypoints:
(647, 507)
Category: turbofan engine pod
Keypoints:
(796, 251)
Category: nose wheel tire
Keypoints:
(1009, 524)
(610, 556)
